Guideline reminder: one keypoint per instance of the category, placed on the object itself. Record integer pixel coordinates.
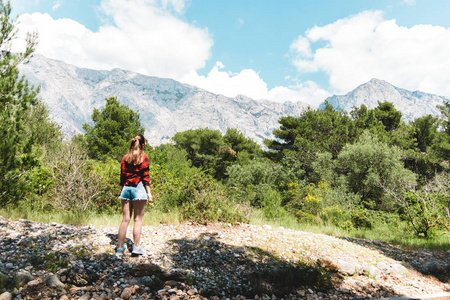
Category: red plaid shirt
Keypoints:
(131, 175)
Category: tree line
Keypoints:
(353, 170)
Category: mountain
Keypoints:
(165, 105)
(411, 104)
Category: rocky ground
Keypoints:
(218, 261)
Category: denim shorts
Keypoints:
(133, 193)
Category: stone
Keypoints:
(53, 281)
(133, 281)
(80, 276)
(383, 266)
(23, 277)
(147, 270)
(6, 296)
(374, 271)
(96, 297)
(175, 274)
(191, 292)
(345, 268)
(34, 282)
(431, 267)
(145, 281)
(356, 284)
(398, 270)
(126, 293)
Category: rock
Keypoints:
(374, 271)
(80, 276)
(145, 281)
(6, 296)
(23, 277)
(126, 293)
(175, 274)
(147, 270)
(383, 266)
(171, 291)
(191, 292)
(431, 267)
(53, 281)
(346, 268)
(398, 269)
(133, 281)
(173, 284)
(34, 282)
(356, 284)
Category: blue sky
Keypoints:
(293, 50)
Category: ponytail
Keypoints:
(134, 155)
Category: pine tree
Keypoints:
(114, 126)
(23, 118)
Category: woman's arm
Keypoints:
(149, 194)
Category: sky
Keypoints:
(284, 50)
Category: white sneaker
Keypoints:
(120, 251)
(138, 251)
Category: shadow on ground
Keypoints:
(214, 267)
(227, 270)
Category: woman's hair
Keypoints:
(134, 155)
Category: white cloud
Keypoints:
(409, 2)
(367, 46)
(142, 36)
(177, 5)
(247, 82)
(148, 37)
(308, 92)
(56, 5)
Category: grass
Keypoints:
(399, 236)
(153, 217)
(257, 218)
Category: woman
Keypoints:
(135, 182)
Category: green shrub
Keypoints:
(166, 189)
(109, 174)
(306, 218)
(204, 200)
(366, 163)
(360, 219)
(271, 204)
(332, 215)
(309, 199)
(346, 225)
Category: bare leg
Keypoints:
(126, 217)
(139, 208)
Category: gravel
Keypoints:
(215, 261)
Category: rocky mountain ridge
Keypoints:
(412, 104)
(167, 106)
